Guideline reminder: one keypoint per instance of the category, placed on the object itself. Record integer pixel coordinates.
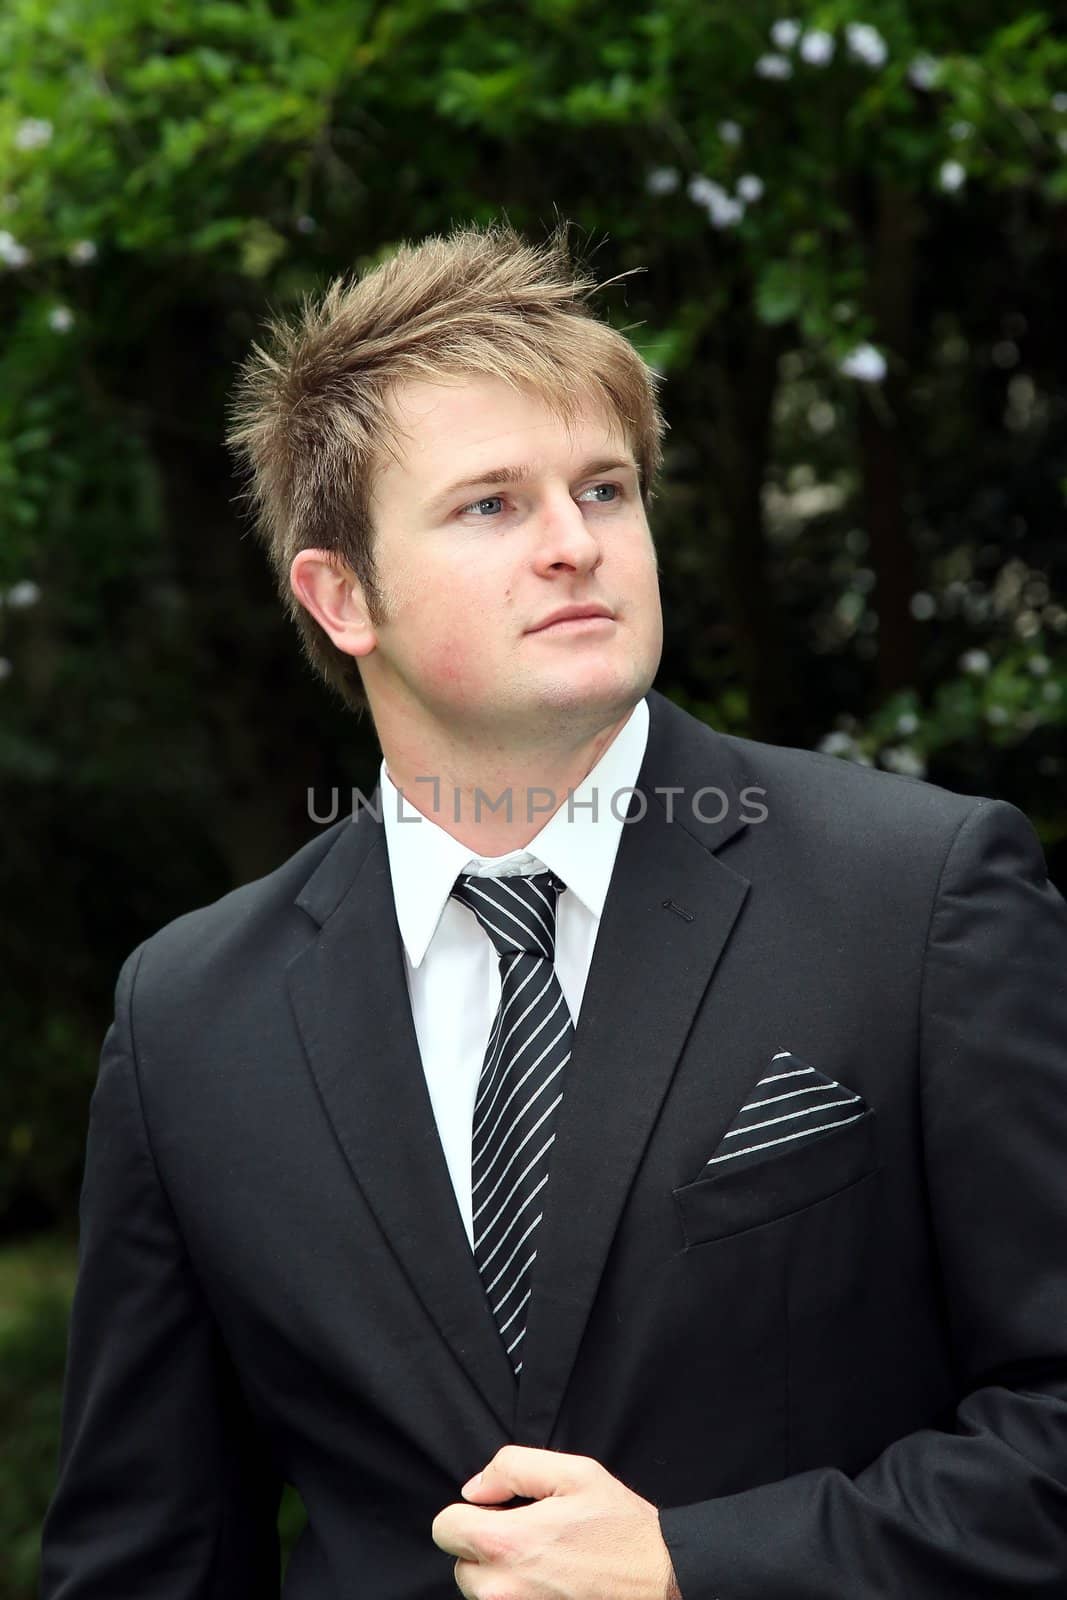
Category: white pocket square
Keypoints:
(791, 1104)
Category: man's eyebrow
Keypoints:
(495, 476)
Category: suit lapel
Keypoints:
(349, 993)
(650, 970)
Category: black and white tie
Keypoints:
(519, 1091)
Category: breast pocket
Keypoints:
(783, 1183)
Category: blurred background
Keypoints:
(851, 220)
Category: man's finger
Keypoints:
(529, 1474)
(453, 1531)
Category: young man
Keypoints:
(665, 1126)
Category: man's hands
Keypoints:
(588, 1537)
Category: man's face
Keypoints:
(470, 569)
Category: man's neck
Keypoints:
(495, 805)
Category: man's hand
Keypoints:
(588, 1537)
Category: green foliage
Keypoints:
(1008, 701)
(43, 1121)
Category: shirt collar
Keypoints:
(578, 842)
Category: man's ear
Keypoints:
(334, 596)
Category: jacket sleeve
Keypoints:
(163, 1487)
(977, 1511)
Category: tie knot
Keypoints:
(518, 913)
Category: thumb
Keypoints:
(518, 1469)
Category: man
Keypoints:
(667, 1127)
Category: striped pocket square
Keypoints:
(791, 1104)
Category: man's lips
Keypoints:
(574, 616)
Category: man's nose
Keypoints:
(565, 536)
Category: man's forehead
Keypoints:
(476, 414)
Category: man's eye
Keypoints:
(613, 486)
(490, 500)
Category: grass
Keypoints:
(36, 1282)
(47, 1262)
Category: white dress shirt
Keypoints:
(452, 968)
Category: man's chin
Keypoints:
(591, 707)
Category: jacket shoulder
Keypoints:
(849, 805)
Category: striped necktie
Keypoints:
(519, 1091)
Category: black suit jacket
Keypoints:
(840, 1372)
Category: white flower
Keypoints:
(306, 224)
(61, 319)
(725, 213)
(786, 33)
(905, 760)
(997, 714)
(865, 363)
(975, 661)
(661, 180)
(11, 252)
(774, 67)
(817, 47)
(961, 130)
(729, 132)
(867, 44)
(952, 176)
(923, 72)
(907, 722)
(1039, 665)
(722, 210)
(1059, 102)
(32, 132)
(5, 668)
(81, 251)
(702, 191)
(750, 188)
(21, 595)
(837, 744)
(922, 606)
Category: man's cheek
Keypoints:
(452, 662)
